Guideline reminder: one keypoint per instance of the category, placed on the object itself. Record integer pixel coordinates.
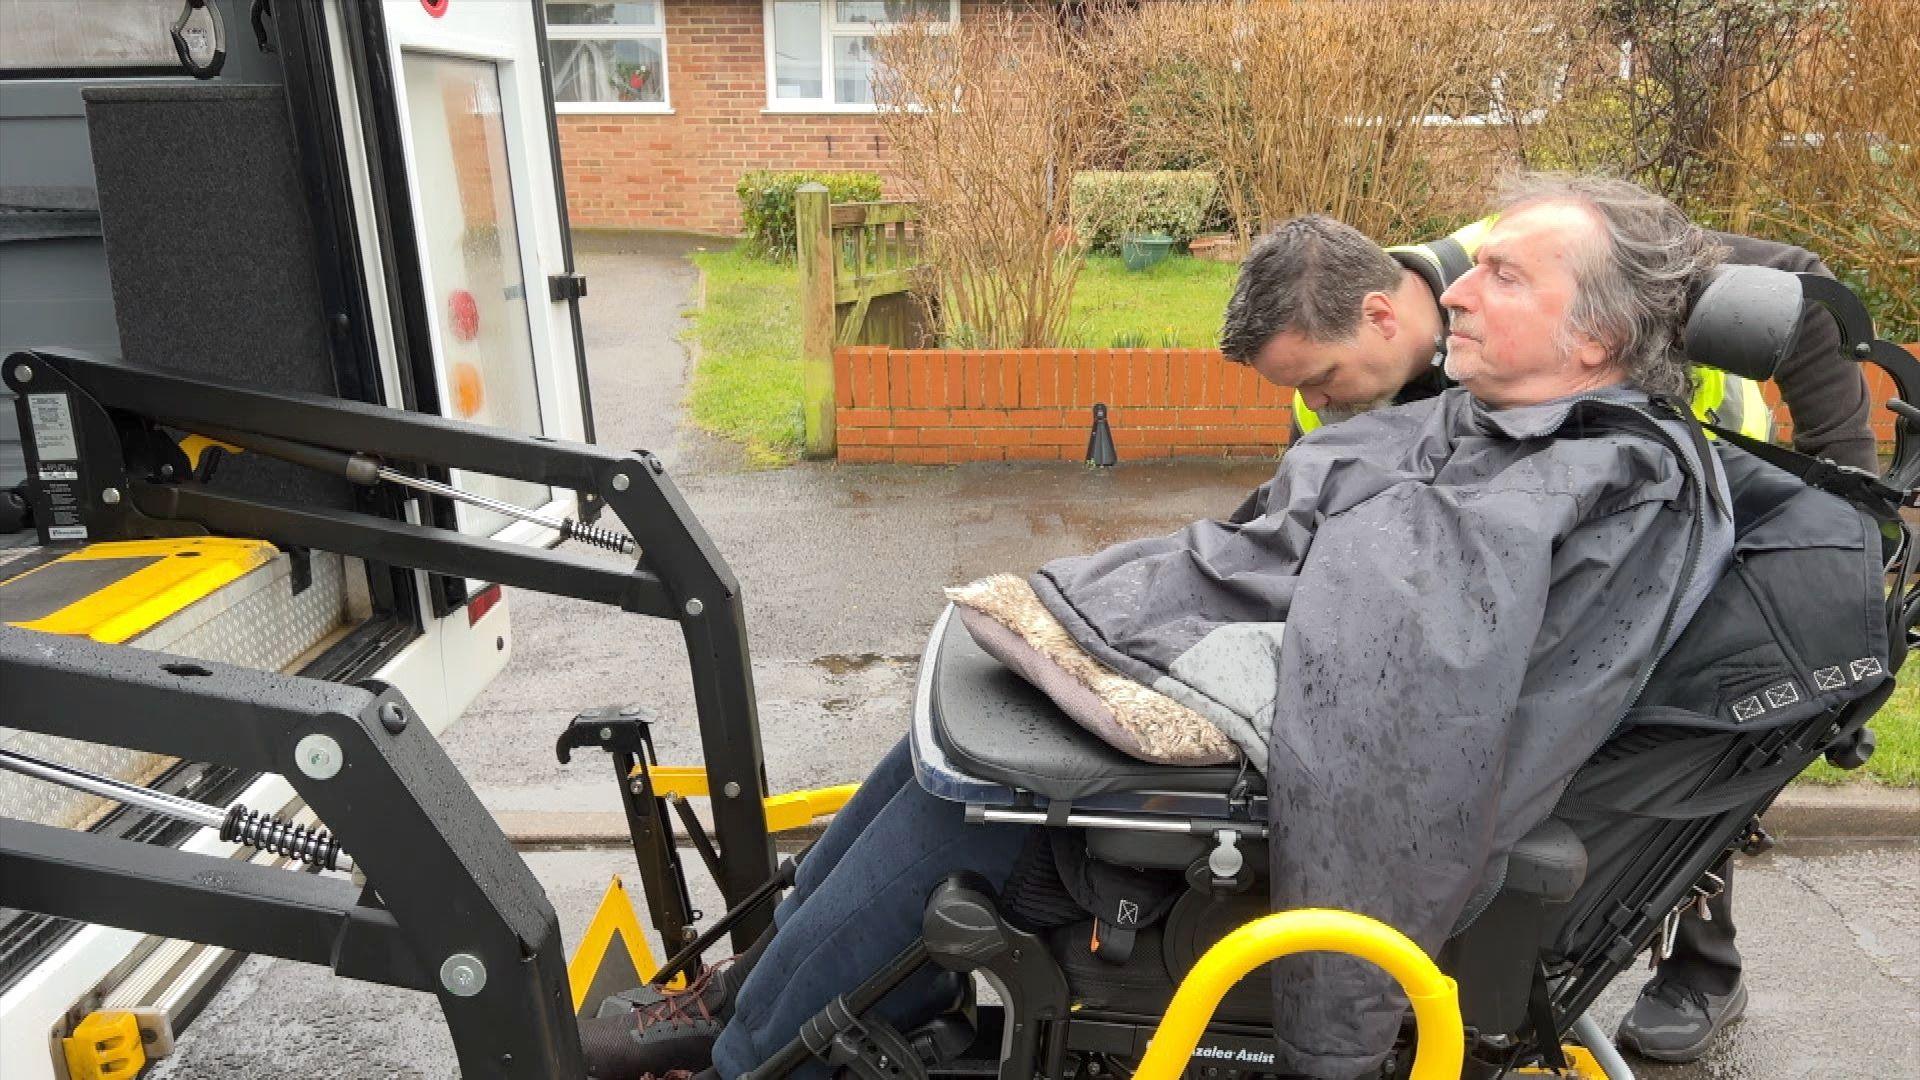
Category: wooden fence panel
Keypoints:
(859, 263)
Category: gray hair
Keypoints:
(1633, 296)
(1309, 274)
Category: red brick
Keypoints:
(899, 382)
(1160, 378)
(864, 454)
(975, 367)
(1004, 436)
(978, 453)
(880, 368)
(859, 378)
(1081, 392)
(847, 417)
(979, 418)
(1037, 418)
(955, 396)
(921, 418)
(947, 436)
(922, 455)
(991, 381)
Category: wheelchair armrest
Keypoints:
(1549, 863)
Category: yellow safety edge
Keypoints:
(187, 571)
(788, 810)
(615, 913)
(104, 1046)
(1441, 1048)
(195, 445)
(1581, 1065)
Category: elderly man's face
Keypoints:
(1510, 342)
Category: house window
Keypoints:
(607, 57)
(820, 52)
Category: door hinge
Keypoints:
(569, 286)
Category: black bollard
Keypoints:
(1100, 443)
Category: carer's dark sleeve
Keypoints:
(1824, 389)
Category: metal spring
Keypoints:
(313, 846)
(606, 538)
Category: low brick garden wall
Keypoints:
(939, 406)
(943, 406)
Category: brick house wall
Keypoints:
(678, 170)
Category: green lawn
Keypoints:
(747, 384)
(1174, 305)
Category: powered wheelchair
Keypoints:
(1632, 845)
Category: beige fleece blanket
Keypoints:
(1006, 618)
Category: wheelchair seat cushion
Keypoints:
(998, 727)
(1009, 621)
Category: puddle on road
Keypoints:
(852, 663)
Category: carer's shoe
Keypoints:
(663, 1033)
(1673, 1023)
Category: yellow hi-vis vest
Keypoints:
(1727, 400)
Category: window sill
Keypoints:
(814, 108)
(587, 108)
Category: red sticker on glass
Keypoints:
(463, 315)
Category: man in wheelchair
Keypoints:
(1379, 685)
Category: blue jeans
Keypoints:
(856, 903)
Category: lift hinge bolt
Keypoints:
(318, 756)
(463, 975)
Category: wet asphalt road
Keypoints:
(841, 569)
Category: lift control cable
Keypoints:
(367, 470)
(237, 824)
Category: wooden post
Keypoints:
(813, 218)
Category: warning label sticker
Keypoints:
(52, 419)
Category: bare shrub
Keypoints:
(1665, 91)
(989, 120)
(1833, 161)
(1322, 105)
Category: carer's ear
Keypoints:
(1376, 310)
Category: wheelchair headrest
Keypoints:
(1745, 320)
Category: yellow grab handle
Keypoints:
(1436, 1002)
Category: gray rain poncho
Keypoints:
(1418, 630)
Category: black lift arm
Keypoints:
(105, 464)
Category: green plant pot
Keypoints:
(1143, 250)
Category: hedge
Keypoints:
(766, 203)
(1107, 206)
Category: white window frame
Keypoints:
(622, 32)
(830, 28)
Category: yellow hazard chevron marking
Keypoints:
(614, 916)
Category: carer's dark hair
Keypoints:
(1309, 274)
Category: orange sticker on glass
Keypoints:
(469, 391)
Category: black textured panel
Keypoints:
(34, 596)
(211, 250)
(999, 727)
